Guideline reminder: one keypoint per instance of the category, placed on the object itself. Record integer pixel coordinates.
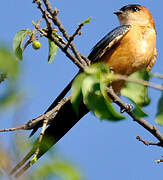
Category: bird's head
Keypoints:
(135, 14)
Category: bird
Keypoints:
(128, 48)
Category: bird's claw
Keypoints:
(127, 108)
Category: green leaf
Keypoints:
(66, 171)
(86, 21)
(91, 86)
(10, 97)
(97, 69)
(34, 24)
(159, 115)
(137, 92)
(103, 86)
(138, 111)
(52, 50)
(8, 63)
(18, 42)
(57, 168)
(3, 76)
(76, 96)
(95, 101)
(9, 70)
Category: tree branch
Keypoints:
(152, 129)
(49, 115)
(147, 143)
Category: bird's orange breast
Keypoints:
(134, 52)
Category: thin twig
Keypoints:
(62, 29)
(159, 161)
(138, 81)
(48, 6)
(147, 143)
(13, 129)
(41, 135)
(71, 38)
(85, 59)
(45, 15)
(157, 75)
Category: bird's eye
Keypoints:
(135, 9)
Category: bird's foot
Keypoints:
(127, 108)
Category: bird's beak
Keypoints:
(118, 12)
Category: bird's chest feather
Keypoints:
(133, 52)
(143, 50)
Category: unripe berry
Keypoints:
(36, 45)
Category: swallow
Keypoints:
(128, 48)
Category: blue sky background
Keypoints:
(101, 150)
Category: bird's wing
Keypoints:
(107, 42)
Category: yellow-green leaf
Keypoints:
(86, 21)
(137, 92)
(95, 101)
(3, 76)
(115, 115)
(52, 50)
(76, 96)
(97, 69)
(18, 43)
(8, 63)
(57, 168)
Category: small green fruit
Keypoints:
(36, 45)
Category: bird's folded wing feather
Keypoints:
(107, 42)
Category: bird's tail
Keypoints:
(65, 119)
